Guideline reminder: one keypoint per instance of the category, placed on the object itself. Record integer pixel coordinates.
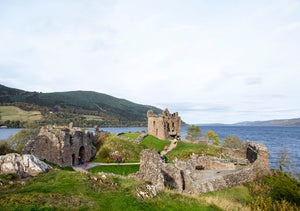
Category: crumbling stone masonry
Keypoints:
(164, 126)
(186, 176)
(62, 146)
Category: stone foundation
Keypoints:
(217, 174)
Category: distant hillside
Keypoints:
(81, 106)
(278, 122)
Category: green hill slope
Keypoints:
(77, 102)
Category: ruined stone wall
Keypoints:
(238, 153)
(217, 174)
(62, 146)
(150, 169)
(165, 125)
(258, 155)
(207, 162)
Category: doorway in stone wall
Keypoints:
(82, 153)
(73, 159)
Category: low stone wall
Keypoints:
(237, 153)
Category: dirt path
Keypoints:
(172, 146)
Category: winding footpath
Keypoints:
(82, 168)
(172, 146)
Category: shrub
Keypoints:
(100, 141)
(5, 148)
(194, 132)
(279, 191)
(267, 204)
(214, 138)
(19, 140)
(233, 142)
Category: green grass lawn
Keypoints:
(116, 169)
(131, 135)
(14, 113)
(65, 190)
(184, 150)
(153, 143)
(128, 151)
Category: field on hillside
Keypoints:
(91, 117)
(14, 113)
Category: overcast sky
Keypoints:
(212, 61)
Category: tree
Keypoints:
(214, 138)
(194, 132)
(18, 141)
(284, 161)
(233, 142)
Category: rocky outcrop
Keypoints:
(23, 165)
(62, 146)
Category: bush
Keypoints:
(233, 142)
(18, 141)
(5, 149)
(214, 138)
(267, 204)
(100, 141)
(279, 191)
(194, 132)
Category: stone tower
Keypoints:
(164, 126)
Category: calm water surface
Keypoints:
(274, 137)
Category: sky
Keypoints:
(211, 61)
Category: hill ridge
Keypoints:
(113, 110)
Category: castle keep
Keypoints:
(164, 126)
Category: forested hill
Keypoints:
(84, 105)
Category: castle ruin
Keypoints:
(164, 126)
(201, 174)
(62, 146)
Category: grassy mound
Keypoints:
(153, 143)
(131, 135)
(65, 190)
(116, 169)
(183, 151)
(127, 150)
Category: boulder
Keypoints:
(23, 165)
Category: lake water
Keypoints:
(274, 137)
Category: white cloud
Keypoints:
(204, 59)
